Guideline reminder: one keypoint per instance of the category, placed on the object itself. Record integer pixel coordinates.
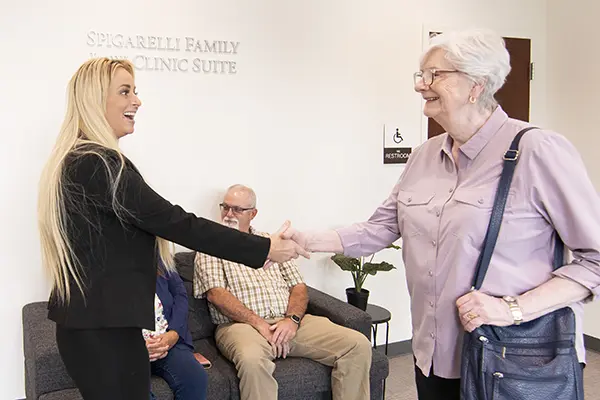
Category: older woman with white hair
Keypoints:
(441, 207)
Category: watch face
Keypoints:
(295, 318)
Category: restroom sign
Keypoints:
(396, 155)
(396, 149)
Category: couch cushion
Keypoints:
(298, 378)
(45, 370)
(380, 367)
(218, 384)
(199, 322)
(184, 262)
(159, 387)
(292, 374)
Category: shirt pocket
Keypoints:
(414, 209)
(471, 213)
(482, 199)
(476, 198)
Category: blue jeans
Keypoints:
(186, 377)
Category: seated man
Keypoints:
(261, 316)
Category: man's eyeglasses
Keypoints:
(426, 77)
(235, 209)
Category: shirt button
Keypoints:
(437, 213)
(431, 303)
(430, 273)
(432, 335)
(451, 190)
(480, 201)
(433, 242)
(409, 199)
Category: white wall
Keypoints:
(301, 121)
(573, 62)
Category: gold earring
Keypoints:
(472, 100)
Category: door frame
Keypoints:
(433, 27)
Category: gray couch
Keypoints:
(298, 378)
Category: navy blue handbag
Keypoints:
(532, 361)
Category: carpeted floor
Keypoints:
(401, 384)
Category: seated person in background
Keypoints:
(261, 316)
(170, 344)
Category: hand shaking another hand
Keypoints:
(299, 237)
(284, 247)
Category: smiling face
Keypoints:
(122, 103)
(238, 210)
(447, 96)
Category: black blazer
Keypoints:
(118, 255)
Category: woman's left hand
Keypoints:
(170, 337)
(159, 346)
(476, 309)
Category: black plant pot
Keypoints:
(358, 299)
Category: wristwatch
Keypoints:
(294, 318)
(515, 309)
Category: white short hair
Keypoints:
(243, 188)
(480, 54)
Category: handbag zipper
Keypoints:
(484, 341)
(559, 344)
(501, 375)
(496, 384)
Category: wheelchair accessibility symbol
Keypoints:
(398, 137)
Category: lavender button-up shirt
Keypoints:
(442, 211)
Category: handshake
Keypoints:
(286, 243)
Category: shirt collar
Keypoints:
(481, 138)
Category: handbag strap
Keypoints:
(510, 158)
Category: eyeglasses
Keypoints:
(426, 77)
(235, 209)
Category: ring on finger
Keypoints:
(471, 316)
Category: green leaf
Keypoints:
(393, 246)
(373, 268)
(346, 263)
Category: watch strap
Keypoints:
(515, 309)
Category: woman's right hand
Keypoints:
(283, 249)
(157, 348)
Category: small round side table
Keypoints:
(379, 315)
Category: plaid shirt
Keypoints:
(265, 292)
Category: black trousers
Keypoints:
(106, 363)
(436, 388)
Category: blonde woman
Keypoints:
(101, 226)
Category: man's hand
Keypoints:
(282, 249)
(283, 331)
(265, 330)
(280, 350)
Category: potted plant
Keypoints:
(357, 295)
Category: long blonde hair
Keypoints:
(84, 124)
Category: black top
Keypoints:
(118, 256)
(378, 314)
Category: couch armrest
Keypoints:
(44, 369)
(338, 312)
